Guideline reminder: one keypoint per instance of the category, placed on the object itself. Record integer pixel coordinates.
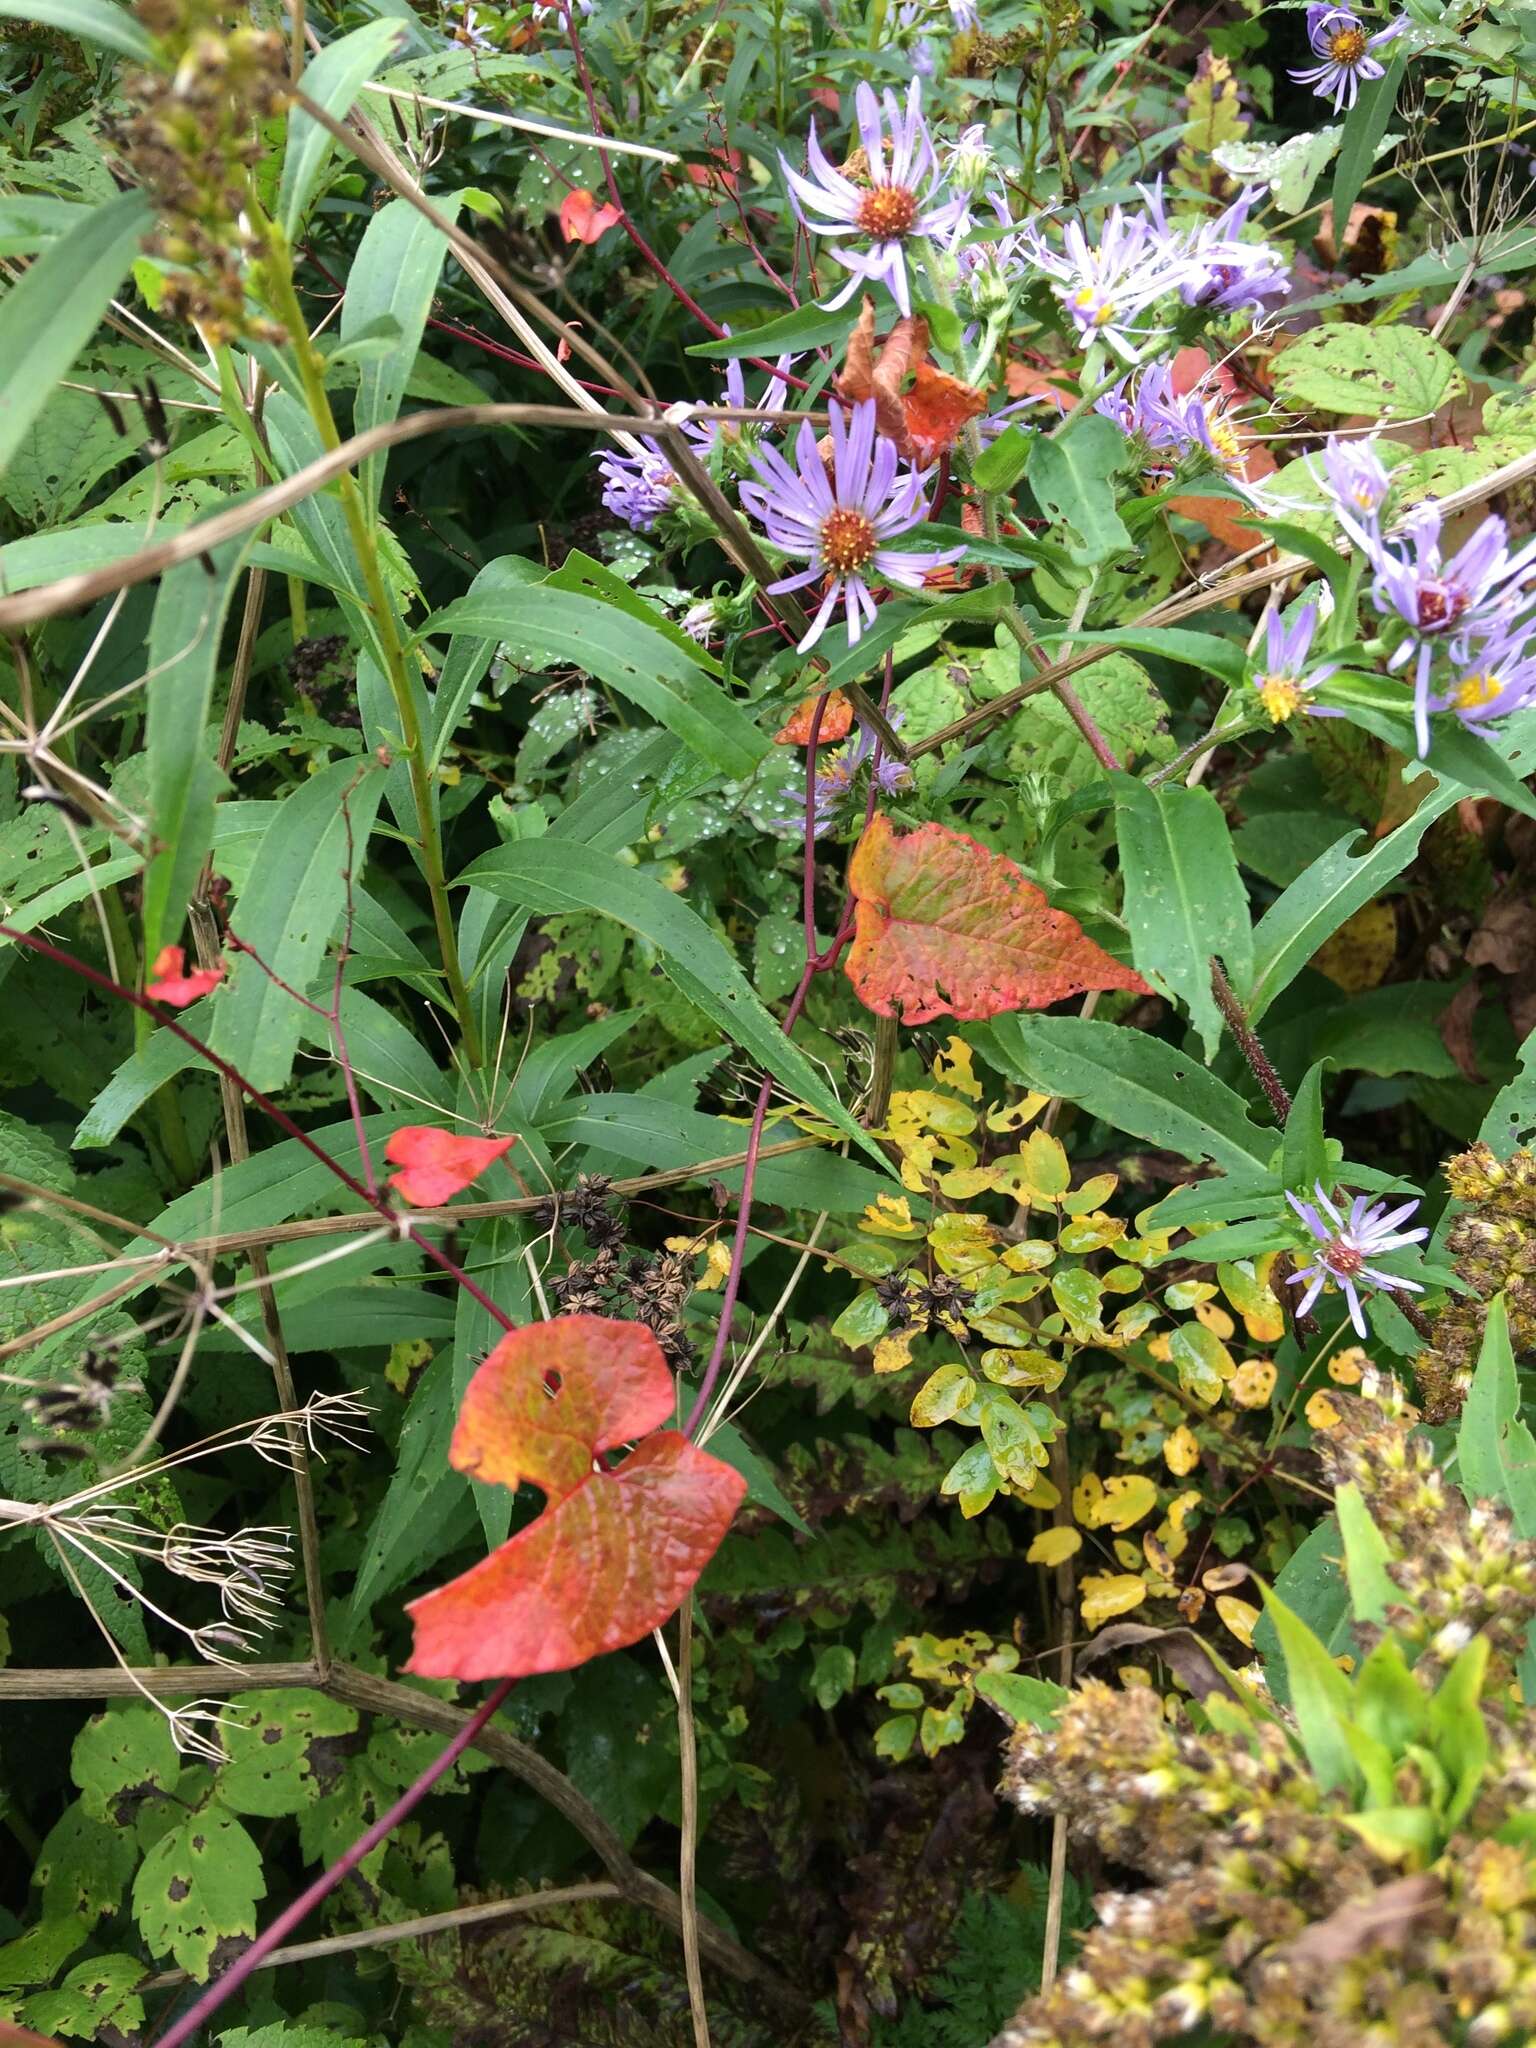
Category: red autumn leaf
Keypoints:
(947, 928)
(438, 1164)
(836, 722)
(1025, 380)
(583, 220)
(922, 416)
(170, 983)
(937, 406)
(616, 1550)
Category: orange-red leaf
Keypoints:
(437, 1164)
(947, 928)
(553, 1395)
(598, 1570)
(583, 220)
(171, 984)
(836, 722)
(937, 406)
(922, 416)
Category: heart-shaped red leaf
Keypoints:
(598, 1570)
(553, 1395)
(438, 1164)
(947, 928)
(170, 983)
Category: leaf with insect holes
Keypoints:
(946, 927)
(170, 983)
(435, 1165)
(618, 1548)
(583, 220)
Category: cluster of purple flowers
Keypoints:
(1343, 1246)
(1171, 423)
(1477, 609)
(1346, 53)
(835, 780)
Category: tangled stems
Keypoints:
(276, 274)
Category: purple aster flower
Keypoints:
(840, 525)
(1227, 272)
(1498, 679)
(1345, 46)
(1170, 422)
(1282, 680)
(904, 197)
(1480, 592)
(1106, 285)
(637, 487)
(965, 14)
(1346, 1245)
(837, 772)
(1358, 484)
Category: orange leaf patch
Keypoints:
(616, 1550)
(170, 983)
(436, 1164)
(836, 722)
(583, 220)
(947, 928)
(923, 418)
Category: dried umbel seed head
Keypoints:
(191, 141)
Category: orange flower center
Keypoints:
(887, 212)
(847, 540)
(1347, 46)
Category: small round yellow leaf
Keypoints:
(1106, 1594)
(1320, 1411)
(1253, 1383)
(1054, 1546)
(1239, 1617)
(1348, 1368)
(1181, 1451)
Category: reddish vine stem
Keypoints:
(1248, 1045)
(284, 1122)
(225, 1987)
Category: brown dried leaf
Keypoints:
(1187, 1656)
(1385, 1918)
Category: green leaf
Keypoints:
(1495, 1451)
(806, 327)
(999, 467)
(470, 655)
(1290, 168)
(286, 914)
(84, 1864)
(727, 1442)
(38, 1955)
(267, 1737)
(126, 1750)
(392, 278)
(1020, 1699)
(846, 663)
(1311, 1582)
(1458, 1728)
(198, 1886)
(1364, 128)
(1331, 890)
(184, 638)
(547, 878)
(1380, 706)
(1320, 1696)
(1366, 1557)
(1304, 1153)
(1138, 1085)
(93, 21)
(544, 627)
(1197, 1355)
(1184, 899)
(95, 1995)
(1070, 475)
(333, 82)
(1393, 373)
(1205, 651)
(52, 310)
(426, 1510)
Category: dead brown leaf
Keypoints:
(1384, 1918)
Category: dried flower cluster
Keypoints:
(192, 141)
(1268, 1916)
(644, 1287)
(1493, 1243)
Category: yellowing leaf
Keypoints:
(1239, 1617)
(1126, 1553)
(1046, 1165)
(1006, 1117)
(1361, 950)
(1093, 1194)
(1029, 1255)
(1181, 1451)
(1253, 1383)
(1320, 1411)
(1202, 1362)
(1127, 1498)
(890, 1216)
(892, 1353)
(1185, 1294)
(1213, 1317)
(927, 1110)
(963, 1183)
(1054, 1546)
(942, 1395)
(1104, 1595)
(1023, 1368)
(1347, 1368)
(954, 1068)
(1091, 1233)
(1088, 1499)
(961, 1242)
(1171, 1532)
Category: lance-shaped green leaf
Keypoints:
(1185, 903)
(93, 21)
(1495, 1451)
(1320, 1696)
(333, 81)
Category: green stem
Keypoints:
(278, 277)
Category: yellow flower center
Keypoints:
(847, 540)
(1481, 687)
(1346, 46)
(1224, 438)
(1279, 695)
(887, 212)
